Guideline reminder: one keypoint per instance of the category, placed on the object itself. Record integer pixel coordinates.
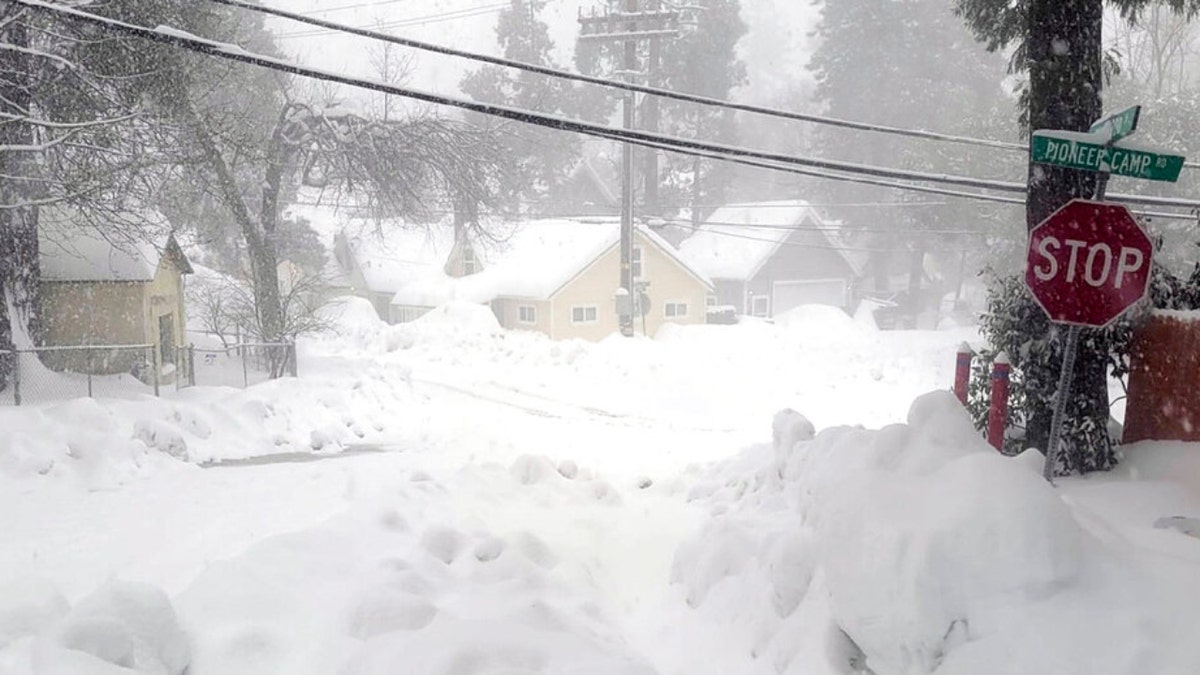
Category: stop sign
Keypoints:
(1088, 263)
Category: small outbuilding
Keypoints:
(109, 290)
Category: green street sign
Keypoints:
(1119, 124)
(1061, 148)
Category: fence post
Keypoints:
(156, 366)
(998, 412)
(16, 377)
(962, 372)
(191, 365)
(294, 365)
(245, 376)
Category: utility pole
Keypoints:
(630, 66)
(628, 27)
(650, 119)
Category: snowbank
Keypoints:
(108, 442)
(121, 628)
(916, 549)
(398, 583)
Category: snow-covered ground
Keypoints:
(447, 497)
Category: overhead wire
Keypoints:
(231, 52)
(334, 26)
(750, 157)
(357, 5)
(406, 22)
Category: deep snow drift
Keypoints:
(484, 501)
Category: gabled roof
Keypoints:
(535, 262)
(69, 250)
(738, 239)
(392, 255)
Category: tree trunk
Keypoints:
(260, 246)
(19, 278)
(1064, 49)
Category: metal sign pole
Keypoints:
(1068, 369)
(1060, 403)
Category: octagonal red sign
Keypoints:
(1088, 263)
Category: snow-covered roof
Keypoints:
(393, 255)
(737, 239)
(71, 251)
(536, 261)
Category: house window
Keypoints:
(760, 305)
(527, 314)
(468, 258)
(635, 262)
(583, 314)
(675, 310)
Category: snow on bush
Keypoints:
(911, 549)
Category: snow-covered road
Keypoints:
(490, 503)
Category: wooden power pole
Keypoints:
(629, 27)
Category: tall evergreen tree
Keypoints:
(705, 62)
(540, 159)
(909, 63)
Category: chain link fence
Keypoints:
(238, 365)
(57, 373)
(127, 371)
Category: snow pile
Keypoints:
(109, 442)
(121, 628)
(816, 359)
(916, 549)
(397, 589)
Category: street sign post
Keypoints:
(1118, 124)
(1080, 151)
(1090, 261)
(1086, 265)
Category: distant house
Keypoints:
(768, 257)
(108, 291)
(378, 262)
(560, 277)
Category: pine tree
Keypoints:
(540, 159)
(703, 61)
(909, 63)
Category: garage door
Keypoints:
(790, 294)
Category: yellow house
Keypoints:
(97, 291)
(560, 277)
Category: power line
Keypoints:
(403, 23)
(230, 52)
(721, 223)
(750, 157)
(333, 26)
(330, 10)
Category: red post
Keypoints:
(962, 372)
(998, 412)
